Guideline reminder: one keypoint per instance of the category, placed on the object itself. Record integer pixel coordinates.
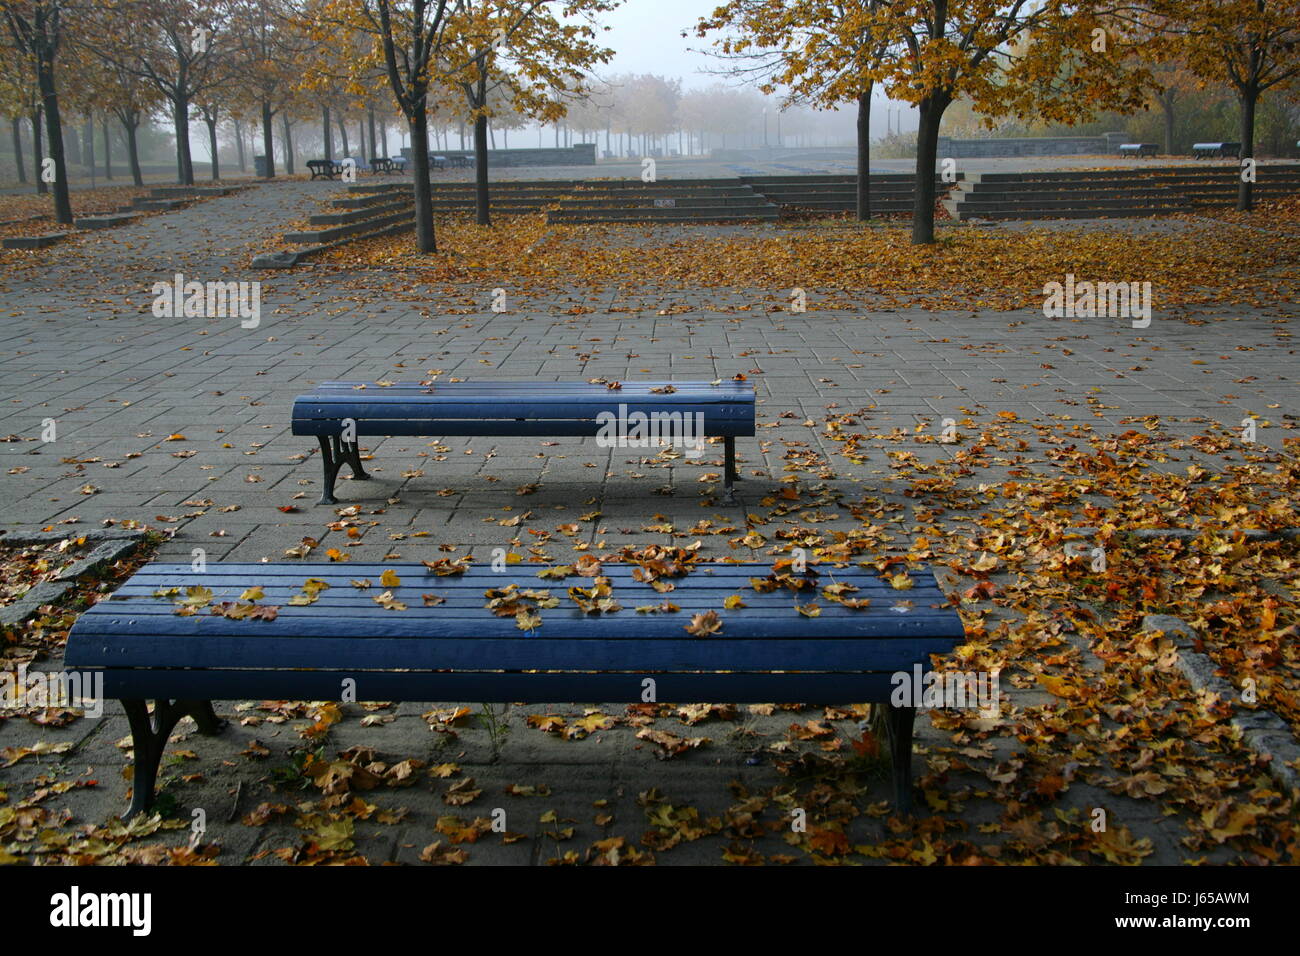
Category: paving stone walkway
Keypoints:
(183, 424)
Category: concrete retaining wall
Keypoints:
(580, 154)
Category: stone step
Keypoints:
(665, 202)
(157, 205)
(704, 214)
(187, 192)
(307, 237)
(33, 242)
(877, 204)
(104, 221)
(1159, 174)
(360, 215)
(1019, 212)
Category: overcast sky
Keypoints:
(647, 36)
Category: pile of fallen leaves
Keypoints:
(969, 268)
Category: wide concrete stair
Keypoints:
(1098, 194)
(668, 201)
(889, 193)
(166, 198)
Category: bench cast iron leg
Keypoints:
(729, 475)
(334, 454)
(895, 723)
(352, 452)
(149, 733)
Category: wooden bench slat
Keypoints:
(701, 571)
(433, 653)
(503, 688)
(636, 386)
(344, 595)
(557, 623)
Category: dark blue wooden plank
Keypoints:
(471, 594)
(273, 652)
(491, 428)
(579, 390)
(496, 688)
(481, 574)
(397, 407)
(556, 623)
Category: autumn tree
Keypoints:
(38, 29)
(20, 100)
(175, 46)
(1059, 60)
(820, 53)
(1251, 45)
(524, 57)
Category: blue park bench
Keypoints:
(448, 645)
(1138, 149)
(519, 409)
(1220, 150)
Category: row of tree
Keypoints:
(447, 64)
(1056, 60)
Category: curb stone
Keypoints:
(116, 544)
(1262, 731)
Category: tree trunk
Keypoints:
(327, 132)
(72, 148)
(239, 143)
(132, 147)
(343, 135)
(212, 143)
(927, 149)
(54, 130)
(425, 240)
(1245, 189)
(374, 151)
(864, 154)
(15, 126)
(1167, 105)
(268, 140)
(88, 143)
(288, 143)
(181, 120)
(108, 148)
(482, 215)
(37, 157)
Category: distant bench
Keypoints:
(337, 413)
(447, 645)
(1138, 149)
(384, 164)
(455, 162)
(1204, 150)
(324, 168)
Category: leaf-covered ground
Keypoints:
(1095, 713)
(851, 463)
(1216, 257)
